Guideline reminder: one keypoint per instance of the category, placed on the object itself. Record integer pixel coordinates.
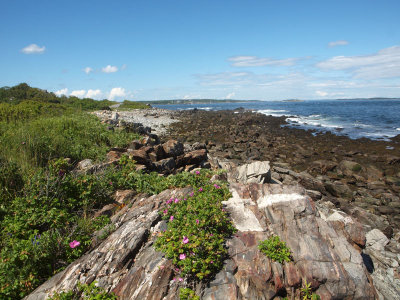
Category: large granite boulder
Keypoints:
(257, 172)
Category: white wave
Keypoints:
(308, 121)
(398, 129)
(361, 125)
(204, 108)
(273, 112)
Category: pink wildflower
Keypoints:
(74, 244)
(212, 262)
(217, 186)
(182, 256)
(197, 172)
(200, 189)
(171, 218)
(197, 221)
(191, 194)
(165, 211)
(169, 201)
(180, 279)
(185, 240)
(176, 200)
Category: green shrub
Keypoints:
(307, 293)
(197, 229)
(187, 294)
(85, 292)
(275, 249)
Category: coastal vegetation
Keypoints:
(46, 207)
(275, 249)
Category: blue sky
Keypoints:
(143, 50)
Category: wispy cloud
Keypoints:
(383, 64)
(109, 69)
(254, 61)
(321, 93)
(230, 95)
(33, 49)
(338, 43)
(88, 70)
(227, 78)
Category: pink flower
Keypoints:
(217, 186)
(182, 256)
(74, 244)
(197, 221)
(191, 194)
(176, 200)
(185, 240)
(197, 172)
(169, 201)
(211, 234)
(212, 262)
(171, 218)
(165, 211)
(200, 189)
(180, 279)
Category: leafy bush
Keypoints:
(275, 249)
(86, 292)
(307, 293)
(197, 229)
(187, 294)
(39, 225)
(28, 110)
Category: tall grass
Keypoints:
(34, 143)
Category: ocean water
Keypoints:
(373, 119)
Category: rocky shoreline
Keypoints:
(333, 200)
(349, 173)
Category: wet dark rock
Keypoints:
(173, 148)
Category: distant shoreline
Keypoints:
(212, 101)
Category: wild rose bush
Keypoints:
(197, 229)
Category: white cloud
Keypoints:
(109, 69)
(33, 49)
(78, 93)
(338, 43)
(117, 92)
(226, 78)
(62, 92)
(230, 96)
(88, 70)
(95, 94)
(321, 93)
(254, 61)
(383, 64)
